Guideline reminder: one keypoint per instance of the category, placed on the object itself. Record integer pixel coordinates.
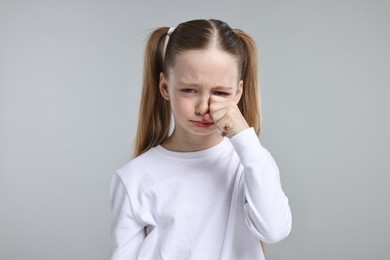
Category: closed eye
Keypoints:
(221, 93)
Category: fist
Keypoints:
(226, 116)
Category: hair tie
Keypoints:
(170, 31)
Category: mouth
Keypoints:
(202, 124)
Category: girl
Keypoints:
(209, 190)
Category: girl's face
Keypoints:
(191, 84)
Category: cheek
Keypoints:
(181, 105)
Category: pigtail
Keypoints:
(154, 113)
(249, 104)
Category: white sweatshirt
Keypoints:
(206, 205)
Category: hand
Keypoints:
(226, 116)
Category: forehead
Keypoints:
(213, 66)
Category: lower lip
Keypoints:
(202, 125)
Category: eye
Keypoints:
(188, 90)
(221, 93)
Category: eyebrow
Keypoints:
(198, 85)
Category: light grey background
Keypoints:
(70, 74)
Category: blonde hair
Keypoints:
(155, 114)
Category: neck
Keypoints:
(178, 143)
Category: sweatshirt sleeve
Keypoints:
(127, 233)
(266, 208)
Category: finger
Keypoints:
(224, 105)
(224, 125)
(218, 115)
(216, 99)
(220, 105)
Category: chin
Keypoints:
(205, 132)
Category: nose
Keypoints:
(203, 106)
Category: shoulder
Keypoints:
(137, 168)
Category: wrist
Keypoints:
(236, 131)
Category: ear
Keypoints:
(240, 89)
(164, 86)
